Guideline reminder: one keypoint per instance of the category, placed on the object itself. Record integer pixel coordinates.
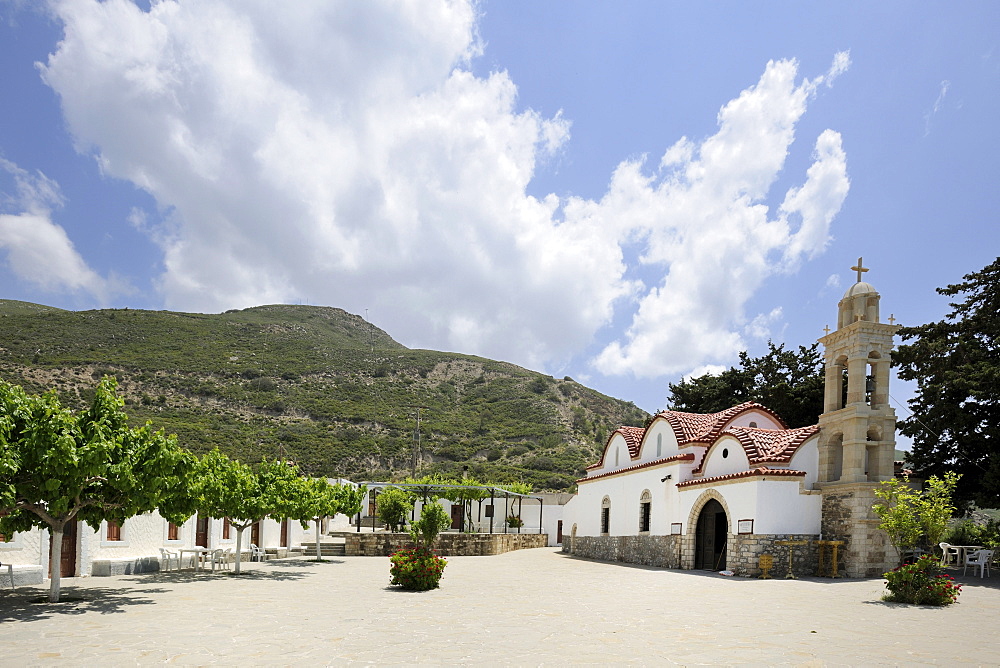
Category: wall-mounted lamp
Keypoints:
(665, 478)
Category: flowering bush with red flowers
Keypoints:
(416, 569)
(922, 583)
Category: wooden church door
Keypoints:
(710, 537)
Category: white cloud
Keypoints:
(705, 370)
(37, 250)
(343, 153)
(706, 224)
(929, 116)
(760, 326)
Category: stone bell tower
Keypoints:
(857, 429)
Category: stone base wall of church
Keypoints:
(676, 552)
(382, 544)
(848, 516)
(660, 551)
(745, 552)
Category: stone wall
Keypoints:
(382, 544)
(848, 516)
(105, 567)
(660, 551)
(743, 552)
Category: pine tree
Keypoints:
(956, 412)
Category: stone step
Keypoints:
(326, 549)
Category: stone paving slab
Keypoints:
(530, 607)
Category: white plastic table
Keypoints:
(199, 556)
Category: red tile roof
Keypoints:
(633, 439)
(772, 446)
(759, 471)
(689, 428)
(705, 427)
(676, 458)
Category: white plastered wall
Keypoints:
(725, 456)
(625, 492)
(659, 441)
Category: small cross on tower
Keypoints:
(826, 329)
(860, 269)
(892, 319)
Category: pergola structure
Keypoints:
(427, 490)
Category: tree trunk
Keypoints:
(318, 556)
(55, 562)
(239, 548)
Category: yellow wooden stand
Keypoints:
(765, 562)
(832, 545)
(791, 544)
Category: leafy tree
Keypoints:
(898, 515)
(956, 411)
(909, 513)
(392, 506)
(936, 506)
(229, 488)
(57, 466)
(316, 498)
(789, 382)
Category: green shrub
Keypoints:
(968, 532)
(921, 583)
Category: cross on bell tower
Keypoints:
(860, 268)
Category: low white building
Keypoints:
(135, 547)
(718, 491)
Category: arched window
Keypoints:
(616, 457)
(645, 504)
(606, 516)
(659, 445)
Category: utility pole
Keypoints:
(416, 442)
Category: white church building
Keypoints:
(717, 491)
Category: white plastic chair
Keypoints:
(215, 556)
(979, 559)
(949, 554)
(165, 557)
(257, 553)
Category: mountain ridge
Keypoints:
(318, 385)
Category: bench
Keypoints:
(124, 566)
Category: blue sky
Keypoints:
(624, 193)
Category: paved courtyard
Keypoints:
(532, 607)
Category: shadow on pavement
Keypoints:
(27, 605)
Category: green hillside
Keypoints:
(317, 385)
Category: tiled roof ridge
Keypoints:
(771, 445)
(675, 458)
(705, 427)
(755, 472)
(633, 439)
